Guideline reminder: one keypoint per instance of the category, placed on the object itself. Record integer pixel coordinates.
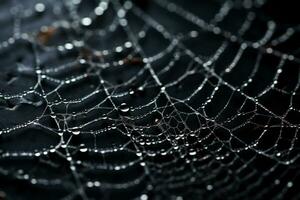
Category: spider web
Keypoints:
(148, 100)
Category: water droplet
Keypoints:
(131, 92)
(99, 10)
(37, 154)
(103, 4)
(83, 148)
(121, 13)
(86, 21)
(89, 184)
(278, 154)
(194, 34)
(52, 150)
(33, 181)
(40, 7)
(119, 49)
(128, 44)
(144, 197)
(124, 108)
(149, 187)
(26, 176)
(97, 183)
(82, 61)
(76, 132)
(209, 187)
(192, 153)
(69, 46)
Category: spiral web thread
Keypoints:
(148, 100)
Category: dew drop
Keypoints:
(83, 148)
(119, 49)
(89, 184)
(278, 154)
(121, 13)
(192, 153)
(82, 61)
(124, 108)
(97, 183)
(86, 21)
(131, 92)
(37, 154)
(99, 10)
(128, 44)
(69, 46)
(149, 187)
(194, 34)
(26, 176)
(40, 7)
(209, 187)
(52, 150)
(144, 197)
(76, 132)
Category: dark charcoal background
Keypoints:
(285, 13)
